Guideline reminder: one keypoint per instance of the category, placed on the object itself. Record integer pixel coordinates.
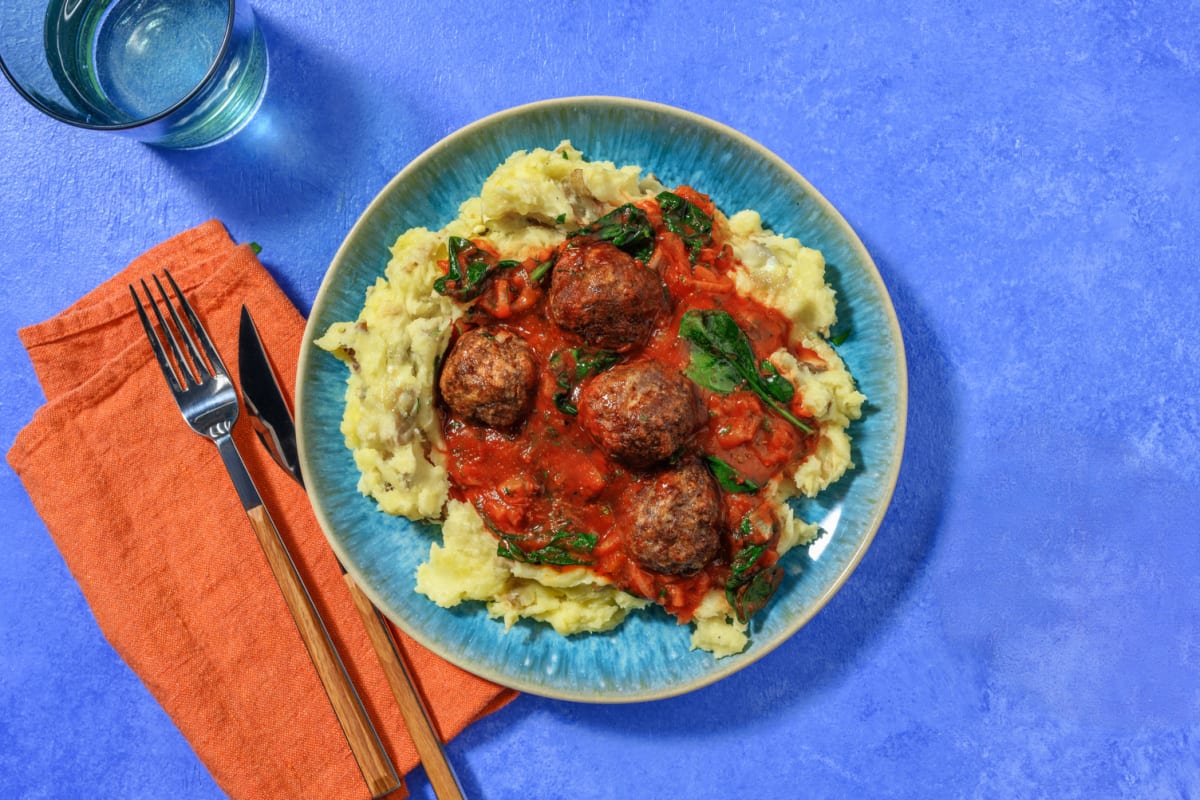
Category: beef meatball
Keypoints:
(673, 521)
(639, 413)
(606, 298)
(490, 377)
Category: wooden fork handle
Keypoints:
(364, 743)
(429, 746)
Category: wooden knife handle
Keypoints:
(429, 746)
(364, 743)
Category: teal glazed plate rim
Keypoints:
(648, 656)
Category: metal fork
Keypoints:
(208, 401)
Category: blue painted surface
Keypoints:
(1027, 622)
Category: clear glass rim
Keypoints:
(125, 126)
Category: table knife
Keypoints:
(276, 429)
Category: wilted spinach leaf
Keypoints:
(687, 221)
(730, 479)
(565, 548)
(726, 352)
(468, 270)
(626, 227)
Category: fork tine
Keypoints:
(187, 377)
(155, 343)
(201, 368)
(201, 333)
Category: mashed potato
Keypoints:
(528, 204)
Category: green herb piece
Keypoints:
(687, 221)
(468, 271)
(566, 549)
(255, 248)
(591, 362)
(626, 227)
(753, 595)
(560, 219)
(754, 529)
(541, 270)
(713, 372)
(730, 479)
(777, 386)
(743, 562)
(840, 339)
(570, 367)
(727, 353)
(750, 586)
(746, 528)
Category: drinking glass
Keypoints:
(174, 73)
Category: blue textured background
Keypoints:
(1027, 622)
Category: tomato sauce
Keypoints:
(540, 486)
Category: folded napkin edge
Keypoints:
(188, 256)
(109, 376)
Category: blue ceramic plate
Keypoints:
(648, 656)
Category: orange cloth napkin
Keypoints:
(144, 514)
